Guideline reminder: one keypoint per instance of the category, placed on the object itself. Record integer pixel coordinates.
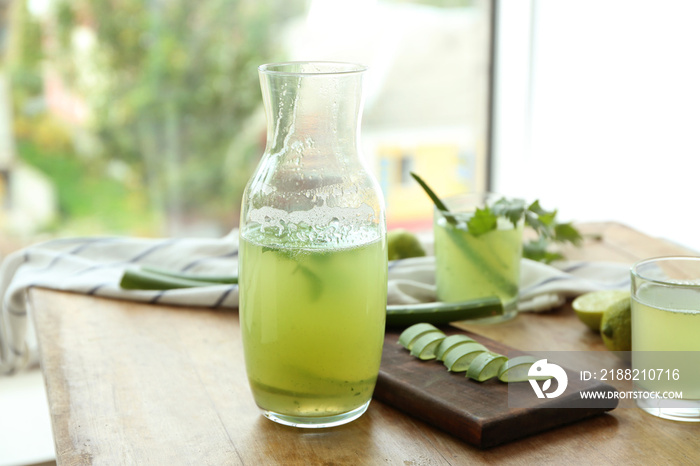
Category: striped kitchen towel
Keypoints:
(543, 287)
(94, 266)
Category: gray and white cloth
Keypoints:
(94, 266)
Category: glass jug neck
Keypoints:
(312, 108)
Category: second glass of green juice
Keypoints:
(471, 266)
(665, 325)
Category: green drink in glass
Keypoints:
(314, 340)
(472, 266)
(665, 335)
(313, 254)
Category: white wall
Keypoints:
(25, 422)
(598, 111)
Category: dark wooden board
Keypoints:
(478, 413)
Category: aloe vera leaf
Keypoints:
(213, 279)
(436, 200)
(138, 279)
(442, 313)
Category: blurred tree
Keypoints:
(170, 87)
(20, 45)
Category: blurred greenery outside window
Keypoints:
(144, 117)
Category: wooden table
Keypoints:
(131, 383)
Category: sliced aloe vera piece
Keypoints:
(486, 366)
(412, 333)
(516, 369)
(458, 359)
(424, 347)
(450, 343)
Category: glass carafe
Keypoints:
(313, 259)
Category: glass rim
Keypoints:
(485, 196)
(636, 274)
(472, 194)
(326, 68)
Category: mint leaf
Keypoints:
(548, 218)
(566, 232)
(540, 219)
(512, 209)
(537, 250)
(534, 222)
(536, 208)
(483, 221)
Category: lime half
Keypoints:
(412, 333)
(486, 366)
(449, 343)
(459, 358)
(616, 326)
(589, 307)
(424, 347)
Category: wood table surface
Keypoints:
(133, 383)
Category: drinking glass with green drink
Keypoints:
(666, 336)
(477, 253)
(313, 257)
(479, 243)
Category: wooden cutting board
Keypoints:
(478, 413)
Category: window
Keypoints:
(145, 118)
(602, 126)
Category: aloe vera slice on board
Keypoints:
(486, 366)
(412, 333)
(459, 359)
(425, 346)
(450, 343)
